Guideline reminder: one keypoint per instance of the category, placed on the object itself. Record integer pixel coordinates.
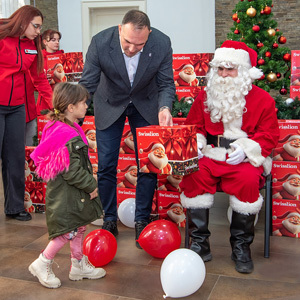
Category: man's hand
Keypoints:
(237, 156)
(165, 117)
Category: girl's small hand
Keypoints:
(94, 194)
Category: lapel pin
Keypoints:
(150, 54)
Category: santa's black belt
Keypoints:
(218, 141)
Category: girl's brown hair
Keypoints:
(16, 25)
(48, 35)
(65, 94)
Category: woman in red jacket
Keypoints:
(20, 52)
(50, 45)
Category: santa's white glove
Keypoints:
(200, 146)
(237, 156)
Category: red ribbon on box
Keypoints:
(201, 63)
(35, 189)
(77, 61)
(172, 141)
(190, 141)
(66, 62)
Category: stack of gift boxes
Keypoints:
(286, 180)
(179, 144)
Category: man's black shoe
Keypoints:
(111, 226)
(139, 227)
(21, 216)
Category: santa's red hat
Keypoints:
(287, 215)
(289, 138)
(237, 53)
(188, 66)
(88, 131)
(127, 168)
(152, 146)
(287, 177)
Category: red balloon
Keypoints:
(159, 238)
(100, 246)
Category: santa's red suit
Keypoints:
(145, 162)
(124, 148)
(281, 154)
(256, 133)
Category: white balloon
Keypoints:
(229, 215)
(182, 273)
(126, 212)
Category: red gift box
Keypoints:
(288, 147)
(29, 164)
(286, 218)
(169, 183)
(188, 93)
(170, 208)
(167, 149)
(127, 143)
(89, 129)
(41, 122)
(36, 191)
(123, 194)
(178, 121)
(127, 171)
(286, 180)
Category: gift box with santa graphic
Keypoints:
(286, 180)
(167, 149)
(123, 194)
(189, 67)
(127, 143)
(34, 199)
(188, 94)
(64, 67)
(41, 122)
(169, 207)
(29, 165)
(89, 129)
(127, 171)
(169, 183)
(295, 74)
(178, 121)
(288, 147)
(286, 218)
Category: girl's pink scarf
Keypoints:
(51, 156)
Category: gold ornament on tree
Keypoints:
(271, 32)
(251, 12)
(271, 77)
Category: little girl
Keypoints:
(72, 199)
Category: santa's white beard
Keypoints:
(159, 163)
(292, 190)
(291, 150)
(226, 97)
(186, 77)
(132, 179)
(129, 143)
(27, 204)
(291, 227)
(173, 181)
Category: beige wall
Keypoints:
(286, 14)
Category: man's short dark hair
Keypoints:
(136, 17)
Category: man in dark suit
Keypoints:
(128, 68)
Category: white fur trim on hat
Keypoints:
(246, 208)
(200, 201)
(235, 56)
(255, 73)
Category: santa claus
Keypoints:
(58, 74)
(290, 150)
(287, 224)
(156, 161)
(186, 77)
(127, 146)
(237, 130)
(28, 175)
(171, 183)
(28, 203)
(289, 189)
(129, 178)
(91, 138)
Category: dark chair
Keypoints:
(267, 186)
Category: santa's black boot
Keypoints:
(242, 235)
(199, 233)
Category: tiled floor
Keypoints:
(134, 274)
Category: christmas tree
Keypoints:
(253, 24)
